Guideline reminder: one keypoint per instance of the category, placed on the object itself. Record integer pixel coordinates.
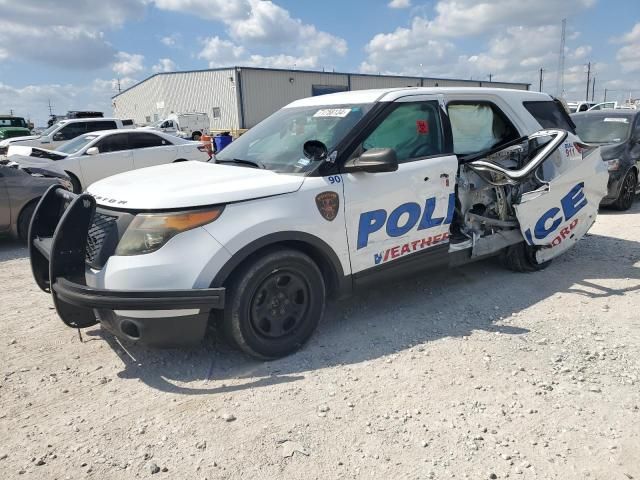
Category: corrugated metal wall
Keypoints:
(265, 91)
(182, 92)
(364, 82)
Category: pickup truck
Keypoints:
(11, 127)
(325, 196)
(61, 132)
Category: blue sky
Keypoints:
(72, 52)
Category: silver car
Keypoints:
(21, 186)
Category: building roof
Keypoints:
(436, 79)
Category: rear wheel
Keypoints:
(627, 192)
(274, 304)
(77, 188)
(24, 220)
(522, 258)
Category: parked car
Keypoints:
(93, 156)
(580, 106)
(62, 132)
(11, 127)
(185, 125)
(21, 186)
(611, 105)
(326, 195)
(618, 134)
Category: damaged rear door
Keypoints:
(570, 180)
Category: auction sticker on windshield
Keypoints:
(333, 112)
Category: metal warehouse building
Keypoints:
(240, 97)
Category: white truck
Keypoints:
(62, 132)
(185, 125)
(326, 195)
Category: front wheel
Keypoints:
(627, 192)
(522, 258)
(274, 304)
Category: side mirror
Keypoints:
(375, 160)
(58, 137)
(92, 151)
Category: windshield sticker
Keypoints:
(422, 126)
(333, 112)
(303, 162)
(616, 119)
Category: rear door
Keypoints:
(114, 157)
(394, 217)
(150, 149)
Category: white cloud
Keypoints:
(171, 40)
(629, 55)
(66, 34)
(399, 4)
(128, 64)
(164, 65)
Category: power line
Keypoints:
(560, 75)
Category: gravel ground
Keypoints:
(468, 373)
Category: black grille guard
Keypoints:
(57, 250)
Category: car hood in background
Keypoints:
(34, 164)
(36, 152)
(9, 141)
(190, 184)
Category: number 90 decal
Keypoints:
(334, 179)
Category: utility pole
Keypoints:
(119, 89)
(11, 112)
(593, 88)
(490, 76)
(588, 79)
(541, 78)
(605, 95)
(50, 109)
(560, 72)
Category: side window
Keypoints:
(146, 140)
(413, 130)
(478, 126)
(72, 130)
(549, 114)
(96, 126)
(113, 143)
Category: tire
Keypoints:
(77, 188)
(627, 192)
(196, 136)
(274, 304)
(24, 220)
(521, 258)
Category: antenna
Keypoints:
(560, 73)
(50, 109)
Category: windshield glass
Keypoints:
(51, 129)
(602, 129)
(13, 122)
(77, 144)
(277, 141)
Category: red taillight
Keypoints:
(579, 147)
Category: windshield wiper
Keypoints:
(239, 161)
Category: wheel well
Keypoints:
(73, 177)
(31, 203)
(329, 273)
(180, 160)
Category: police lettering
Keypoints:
(403, 219)
(550, 220)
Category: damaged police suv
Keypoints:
(328, 193)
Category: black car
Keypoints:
(618, 134)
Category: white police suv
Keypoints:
(326, 194)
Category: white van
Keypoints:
(185, 125)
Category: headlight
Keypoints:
(150, 231)
(614, 164)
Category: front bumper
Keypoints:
(57, 248)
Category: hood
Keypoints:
(190, 184)
(35, 165)
(13, 132)
(612, 150)
(11, 141)
(27, 151)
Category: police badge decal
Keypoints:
(328, 204)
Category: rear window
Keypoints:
(550, 114)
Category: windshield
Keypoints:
(13, 122)
(277, 141)
(77, 144)
(51, 129)
(601, 129)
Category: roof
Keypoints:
(391, 94)
(608, 112)
(240, 68)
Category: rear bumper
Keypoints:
(57, 250)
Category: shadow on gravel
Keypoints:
(11, 249)
(391, 318)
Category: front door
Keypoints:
(392, 216)
(114, 157)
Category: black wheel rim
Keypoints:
(279, 304)
(628, 190)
